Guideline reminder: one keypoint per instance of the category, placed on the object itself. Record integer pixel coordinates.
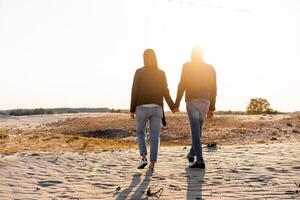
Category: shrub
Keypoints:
(3, 135)
(115, 110)
(71, 139)
(20, 112)
(3, 113)
(259, 106)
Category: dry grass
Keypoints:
(223, 129)
(71, 139)
(66, 135)
(3, 134)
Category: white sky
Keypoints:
(84, 53)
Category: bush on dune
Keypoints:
(3, 135)
(36, 111)
(43, 111)
(259, 106)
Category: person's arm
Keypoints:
(213, 91)
(181, 88)
(166, 92)
(134, 93)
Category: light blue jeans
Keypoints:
(154, 116)
(197, 110)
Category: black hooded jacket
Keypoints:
(150, 87)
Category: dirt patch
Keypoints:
(107, 133)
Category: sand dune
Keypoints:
(50, 157)
(105, 131)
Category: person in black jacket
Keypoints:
(198, 81)
(149, 89)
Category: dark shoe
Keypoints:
(198, 165)
(151, 169)
(142, 164)
(191, 159)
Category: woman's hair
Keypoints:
(150, 58)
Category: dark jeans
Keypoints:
(197, 110)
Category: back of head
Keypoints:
(150, 59)
(197, 55)
(198, 67)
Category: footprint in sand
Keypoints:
(296, 167)
(49, 183)
(103, 185)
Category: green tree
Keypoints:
(259, 106)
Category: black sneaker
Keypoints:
(142, 164)
(197, 165)
(191, 159)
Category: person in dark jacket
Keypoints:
(198, 81)
(149, 89)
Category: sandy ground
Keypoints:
(94, 156)
(263, 171)
(38, 121)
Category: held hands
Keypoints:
(175, 110)
(210, 114)
(132, 115)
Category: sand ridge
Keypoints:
(106, 131)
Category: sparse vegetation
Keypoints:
(115, 110)
(3, 135)
(34, 135)
(116, 131)
(259, 106)
(229, 112)
(71, 139)
(42, 111)
(36, 111)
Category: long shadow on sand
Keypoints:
(140, 190)
(194, 183)
(136, 179)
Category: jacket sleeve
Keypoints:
(166, 92)
(213, 91)
(181, 88)
(134, 93)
